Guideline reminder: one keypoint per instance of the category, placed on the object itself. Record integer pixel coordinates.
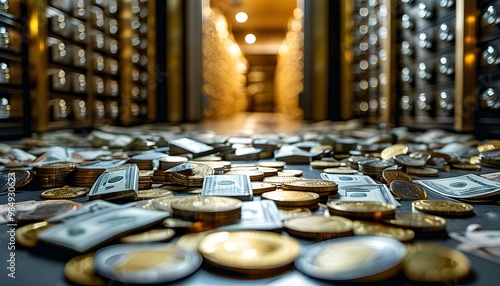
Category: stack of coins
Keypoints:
(289, 173)
(444, 208)
(289, 199)
(145, 161)
(323, 164)
(194, 178)
(53, 175)
(318, 227)
(148, 194)
(344, 145)
(278, 180)
(220, 167)
(211, 210)
(161, 177)
(355, 160)
(271, 253)
(322, 187)
(145, 180)
(23, 177)
(278, 165)
(168, 162)
(261, 187)
(490, 159)
(374, 167)
(395, 175)
(86, 175)
(253, 175)
(374, 211)
(408, 161)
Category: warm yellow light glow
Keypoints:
(241, 17)
(250, 38)
(298, 13)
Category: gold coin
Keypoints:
(294, 173)
(420, 222)
(443, 208)
(153, 193)
(474, 160)
(377, 229)
(292, 198)
(319, 164)
(249, 252)
(64, 193)
(395, 175)
(317, 186)
(406, 160)
(259, 187)
(268, 172)
(393, 150)
(154, 235)
(318, 227)
(407, 190)
(26, 235)
(53, 169)
(273, 164)
(340, 170)
(80, 270)
(206, 204)
(489, 146)
(432, 263)
(467, 166)
(362, 210)
(253, 175)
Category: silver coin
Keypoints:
(146, 263)
(355, 258)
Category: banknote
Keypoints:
(119, 182)
(348, 180)
(86, 233)
(186, 145)
(462, 187)
(257, 215)
(365, 193)
(230, 185)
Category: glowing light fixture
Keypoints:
(241, 17)
(250, 38)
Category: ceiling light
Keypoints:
(250, 38)
(241, 17)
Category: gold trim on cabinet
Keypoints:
(346, 57)
(465, 64)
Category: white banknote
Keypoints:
(229, 185)
(348, 180)
(461, 187)
(365, 193)
(88, 232)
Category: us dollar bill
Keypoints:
(462, 187)
(230, 185)
(88, 232)
(348, 180)
(119, 182)
(365, 193)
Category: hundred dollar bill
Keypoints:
(348, 180)
(234, 186)
(186, 145)
(461, 187)
(87, 210)
(119, 182)
(89, 232)
(257, 215)
(365, 193)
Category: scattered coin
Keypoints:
(322, 164)
(395, 175)
(423, 172)
(340, 170)
(391, 151)
(418, 222)
(407, 190)
(80, 270)
(444, 208)
(377, 229)
(362, 210)
(26, 235)
(432, 263)
(318, 227)
(64, 193)
(260, 187)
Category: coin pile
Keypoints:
(373, 167)
(490, 159)
(210, 210)
(254, 175)
(168, 162)
(421, 224)
(53, 175)
(378, 229)
(261, 187)
(190, 174)
(374, 211)
(64, 193)
(145, 161)
(321, 187)
(145, 180)
(289, 199)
